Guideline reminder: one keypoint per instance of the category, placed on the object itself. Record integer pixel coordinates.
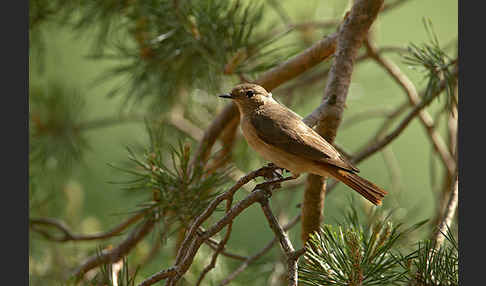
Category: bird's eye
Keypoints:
(249, 93)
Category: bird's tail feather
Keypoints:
(367, 189)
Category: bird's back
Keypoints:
(282, 128)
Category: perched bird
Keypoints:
(280, 136)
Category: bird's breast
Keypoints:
(293, 163)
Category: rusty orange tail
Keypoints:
(367, 189)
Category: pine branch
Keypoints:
(327, 117)
(193, 241)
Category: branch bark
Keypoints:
(34, 224)
(328, 116)
(259, 254)
(448, 214)
(285, 242)
(194, 238)
(117, 253)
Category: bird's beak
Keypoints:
(226, 95)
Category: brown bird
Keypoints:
(280, 136)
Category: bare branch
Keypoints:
(371, 149)
(402, 80)
(35, 224)
(285, 242)
(116, 253)
(169, 272)
(213, 244)
(194, 239)
(259, 254)
(219, 248)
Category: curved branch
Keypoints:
(117, 253)
(371, 149)
(35, 223)
(259, 254)
(194, 239)
(409, 88)
(285, 242)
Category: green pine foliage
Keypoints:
(432, 60)
(356, 254)
(377, 252)
(55, 115)
(171, 186)
(436, 265)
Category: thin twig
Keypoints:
(374, 146)
(371, 149)
(116, 253)
(193, 239)
(258, 254)
(425, 118)
(285, 242)
(219, 248)
(213, 244)
(68, 234)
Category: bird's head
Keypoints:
(249, 96)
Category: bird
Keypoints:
(279, 135)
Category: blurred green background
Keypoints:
(88, 202)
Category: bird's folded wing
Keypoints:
(285, 130)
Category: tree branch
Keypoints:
(285, 242)
(259, 254)
(194, 239)
(115, 254)
(328, 115)
(34, 224)
(408, 87)
(372, 148)
(219, 248)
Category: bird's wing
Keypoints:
(285, 130)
